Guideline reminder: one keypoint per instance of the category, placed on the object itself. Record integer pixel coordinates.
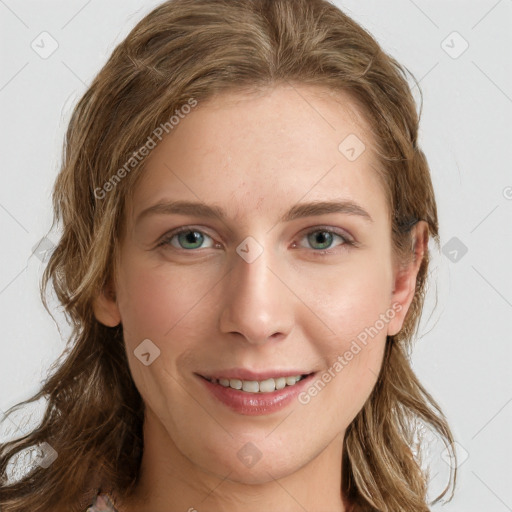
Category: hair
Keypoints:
(197, 49)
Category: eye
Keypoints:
(186, 238)
(322, 238)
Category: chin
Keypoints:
(250, 462)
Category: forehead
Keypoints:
(253, 151)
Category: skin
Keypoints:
(207, 308)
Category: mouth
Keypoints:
(267, 385)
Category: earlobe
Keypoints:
(404, 286)
(105, 308)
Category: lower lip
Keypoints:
(255, 404)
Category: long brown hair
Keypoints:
(195, 49)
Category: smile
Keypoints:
(255, 386)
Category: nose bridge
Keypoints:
(258, 304)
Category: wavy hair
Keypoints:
(196, 49)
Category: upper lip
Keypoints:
(244, 374)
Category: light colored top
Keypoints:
(102, 503)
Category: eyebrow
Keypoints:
(298, 211)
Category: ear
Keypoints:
(105, 307)
(404, 281)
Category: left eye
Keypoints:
(325, 237)
(188, 238)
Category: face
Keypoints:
(264, 284)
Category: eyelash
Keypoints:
(347, 241)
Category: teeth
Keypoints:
(267, 386)
(251, 386)
(254, 386)
(280, 382)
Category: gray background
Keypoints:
(464, 351)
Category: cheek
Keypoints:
(153, 301)
(349, 298)
(172, 307)
(353, 360)
(353, 304)
(162, 304)
(353, 382)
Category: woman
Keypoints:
(246, 215)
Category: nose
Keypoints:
(259, 304)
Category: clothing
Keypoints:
(102, 503)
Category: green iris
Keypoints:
(194, 239)
(325, 238)
(190, 237)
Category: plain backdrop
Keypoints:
(460, 51)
